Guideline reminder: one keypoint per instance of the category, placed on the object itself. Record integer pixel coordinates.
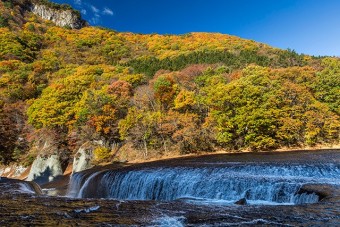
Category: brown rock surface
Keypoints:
(324, 191)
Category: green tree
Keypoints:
(327, 85)
(55, 107)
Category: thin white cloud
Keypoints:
(78, 2)
(95, 19)
(107, 11)
(94, 9)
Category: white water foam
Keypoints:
(258, 184)
(167, 221)
(87, 210)
(25, 188)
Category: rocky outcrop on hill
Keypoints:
(61, 17)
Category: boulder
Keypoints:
(242, 201)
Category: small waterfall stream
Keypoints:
(13, 186)
(258, 183)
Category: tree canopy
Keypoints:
(193, 92)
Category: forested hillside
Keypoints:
(166, 93)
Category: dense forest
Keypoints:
(165, 93)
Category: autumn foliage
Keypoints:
(188, 93)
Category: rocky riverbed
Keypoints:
(22, 204)
(27, 209)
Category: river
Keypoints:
(300, 188)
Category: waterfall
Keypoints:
(14, 186)
(257, 183)
(77, 181)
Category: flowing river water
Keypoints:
(264, 189)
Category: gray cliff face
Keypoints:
(45, 169)
(83, 158)
(59, 17)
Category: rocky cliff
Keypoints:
(61, 17)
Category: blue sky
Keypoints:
(307, 26)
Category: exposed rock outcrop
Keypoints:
(63, 18)
(83, 158)
(52, 157)
(61, 14)
(45, 169)
(13, 171)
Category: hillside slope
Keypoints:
(127, 93)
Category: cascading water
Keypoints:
(76, 182)
(258, 183)
(13, 186)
